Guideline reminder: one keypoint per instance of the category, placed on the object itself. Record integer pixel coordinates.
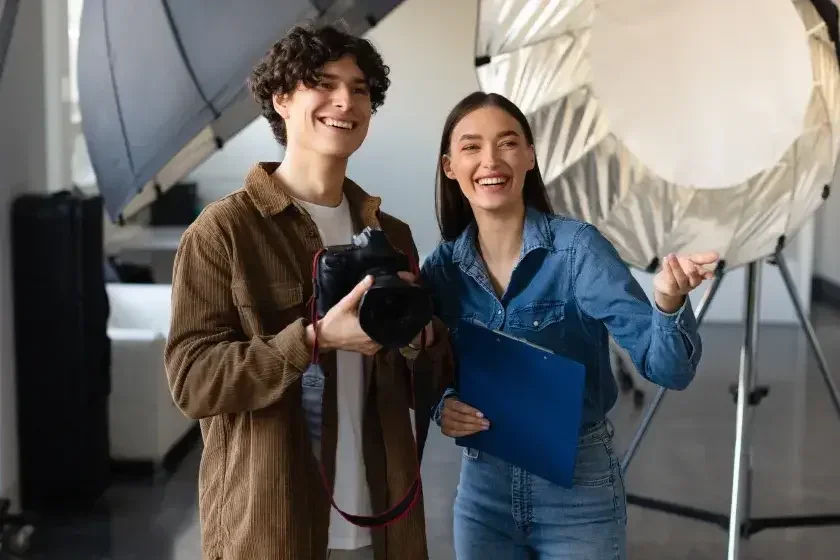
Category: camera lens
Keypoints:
(387, 309)
(394, 314)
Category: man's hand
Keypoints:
(459, 419)
(430, 331)
(680, 275)
(340, 329)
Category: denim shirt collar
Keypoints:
(536, 234)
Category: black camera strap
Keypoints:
(421, 392)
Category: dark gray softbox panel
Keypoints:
(162, 85)
(8, 12)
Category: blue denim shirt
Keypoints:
(568, 290)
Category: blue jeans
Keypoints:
(505, 513)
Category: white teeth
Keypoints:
(492, 181)
(338, 124)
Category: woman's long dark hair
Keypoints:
(453, 209)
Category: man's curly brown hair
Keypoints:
(300, 56)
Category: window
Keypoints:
(82, 171)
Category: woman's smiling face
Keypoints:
(489, 156)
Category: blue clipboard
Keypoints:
(532, 397)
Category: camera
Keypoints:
(392, 311)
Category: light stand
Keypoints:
(748, 395)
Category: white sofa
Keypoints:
(144, 421)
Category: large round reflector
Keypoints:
(673, 125)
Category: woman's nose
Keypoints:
(490, 160)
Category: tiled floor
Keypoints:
(686, 457)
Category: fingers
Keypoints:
(351, 301)
(693, 272)
(459, 419)
(675, 272)
(685, 274)
(457, 406)
(455, 429)
(709, 257)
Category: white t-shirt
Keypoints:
(351, 490)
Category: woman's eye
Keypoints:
(509, 144)
(470, 147)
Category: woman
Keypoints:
(508, 263)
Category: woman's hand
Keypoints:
(459, 419)
(678, 276)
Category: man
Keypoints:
(240, 345)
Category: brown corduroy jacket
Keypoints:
(234, 359)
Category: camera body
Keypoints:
(392, 311)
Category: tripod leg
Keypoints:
(741, 468)
(833, 392)
(702, 307)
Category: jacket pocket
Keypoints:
(274, 297)
(267, 310)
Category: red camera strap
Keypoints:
(422, 412)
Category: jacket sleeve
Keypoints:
(212, 368)
(665, 347)
(440, 353)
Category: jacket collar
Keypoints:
(270, 196)
(536, 234)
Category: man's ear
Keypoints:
(447, 167)
(281, 104)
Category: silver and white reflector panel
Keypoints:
(673, 125)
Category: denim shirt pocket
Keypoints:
(537, 316)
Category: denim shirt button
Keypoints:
(536, 323)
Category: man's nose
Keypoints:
(343, 98)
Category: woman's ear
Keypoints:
(532, 155)
(281, 104)
(447, 167)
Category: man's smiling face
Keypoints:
(332, 117)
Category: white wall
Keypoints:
(429, 46)
(22, 168)
(224, 171)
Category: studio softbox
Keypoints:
(674, 125)
(163, 85)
